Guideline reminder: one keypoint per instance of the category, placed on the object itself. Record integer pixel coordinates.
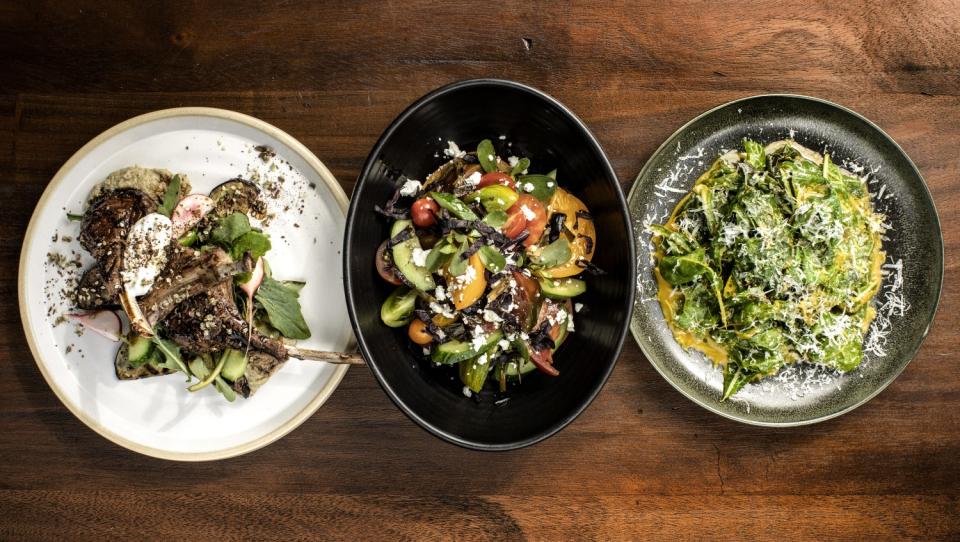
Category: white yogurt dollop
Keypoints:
(145, 255)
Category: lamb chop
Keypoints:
(103, 233)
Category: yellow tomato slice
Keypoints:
(583, 228)
(467, 288)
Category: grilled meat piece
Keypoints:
(103, 233)
(210, 322)
(188, 273)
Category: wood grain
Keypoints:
(642, 462)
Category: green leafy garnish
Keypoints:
(282, 305)
(492, 259)
(170, 197)
(487, 156)
(772, 258)
(541, 187)
(74, 217)
(254, 242)
(171, 356)
(454, 205)
(554, 254)
(521, 166)
(230, 228)
(495, 219)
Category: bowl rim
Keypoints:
(348, 281)
(930, 318)
(282, 430)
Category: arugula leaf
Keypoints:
(171, 356)
(170, 197)
(283, 309)
(487, 155)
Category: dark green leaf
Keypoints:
(454, 205)
(254, 242)
(171, 356)
(74, 217)
(492, 259)
(487, 155)
(554, 254)
(230, 228)
(541, 187)
(283, 309)
(522, 165)
(170, 197)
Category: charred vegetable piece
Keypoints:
(238, 196)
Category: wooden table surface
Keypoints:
(642, 461)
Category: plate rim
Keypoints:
(224, 114)
(933, 313)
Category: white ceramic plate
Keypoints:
(157, 416)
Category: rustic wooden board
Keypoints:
(642, 461)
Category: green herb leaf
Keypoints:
(554, 254)
(170, 197)
(230, 228)
(454, 205)
(487, 155)
(522, 165)
(492, 259)
(171, 356)
(74, 217)
(552, 174)
(495, 219)
(254, 242)
(541, 187)
(283, 309)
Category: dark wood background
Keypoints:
(643, 461)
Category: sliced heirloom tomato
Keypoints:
(466, 289)
(497, 177)
(516, 223)
(583, 240)
(535, 215)
(384, 268)
(525, 297)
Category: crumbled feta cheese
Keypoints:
(502, 137)
(528, 187)
(561, 315)
(482, 360)
(490, 316)
(479, 339)
(453, 151)
(473, 179)
(577, 307)
(410, 187)
(441, 294)
(527, 213)
(420, 256)
(513, 161)
(503, 344)
(491, 157)
(442, 310)
(467, 392)
(426, 351)
(549, 184)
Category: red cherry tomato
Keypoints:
(535, 215)
(496, 177)
(384, 268)
(424, 212)
(515, 223)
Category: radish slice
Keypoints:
(189, 211)
(256, 277)
(105, 323)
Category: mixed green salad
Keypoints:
(486, 258)
(773, 258)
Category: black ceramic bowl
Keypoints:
(545, 131)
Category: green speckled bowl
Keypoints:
(909, 295)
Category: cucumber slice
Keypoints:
(473, 373)
(235, 365)
(455, 351)
(139, 350)
(562, 288)
(402, 253)
(397, 309)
